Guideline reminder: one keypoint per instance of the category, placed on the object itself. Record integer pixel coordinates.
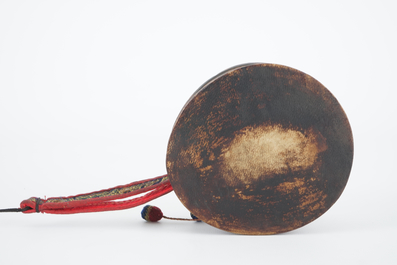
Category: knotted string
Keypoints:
(15, 210)
(154, 214)
(99, 201)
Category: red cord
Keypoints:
(103, 200)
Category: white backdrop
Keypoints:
(89, 92)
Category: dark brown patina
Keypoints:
(260, 149)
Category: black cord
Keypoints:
(15, 210)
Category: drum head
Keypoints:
(260, 149)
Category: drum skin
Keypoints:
(260, 149)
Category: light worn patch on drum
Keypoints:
(268, 150)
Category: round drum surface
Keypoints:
(260, 149)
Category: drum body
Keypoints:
(260, 149)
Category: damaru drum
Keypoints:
(260, 149)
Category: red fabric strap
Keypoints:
(103, 200)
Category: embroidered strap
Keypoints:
(104, 200)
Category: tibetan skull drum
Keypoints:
(260, 149)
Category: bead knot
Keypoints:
(151, 213)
